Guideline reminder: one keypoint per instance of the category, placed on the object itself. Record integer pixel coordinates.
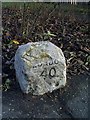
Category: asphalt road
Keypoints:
(69, 102)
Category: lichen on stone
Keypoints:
(44, 55)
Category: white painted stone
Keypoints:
(40, 67)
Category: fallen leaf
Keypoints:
(16, 42)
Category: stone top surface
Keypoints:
(44, 50)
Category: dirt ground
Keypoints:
(69, 102)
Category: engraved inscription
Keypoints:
(51, 73)
(47, 63)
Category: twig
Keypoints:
(51, 12)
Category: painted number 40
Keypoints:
(51, 73)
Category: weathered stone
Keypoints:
(40, 67)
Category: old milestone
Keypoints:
(40, 67)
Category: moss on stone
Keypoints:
(44, 55)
